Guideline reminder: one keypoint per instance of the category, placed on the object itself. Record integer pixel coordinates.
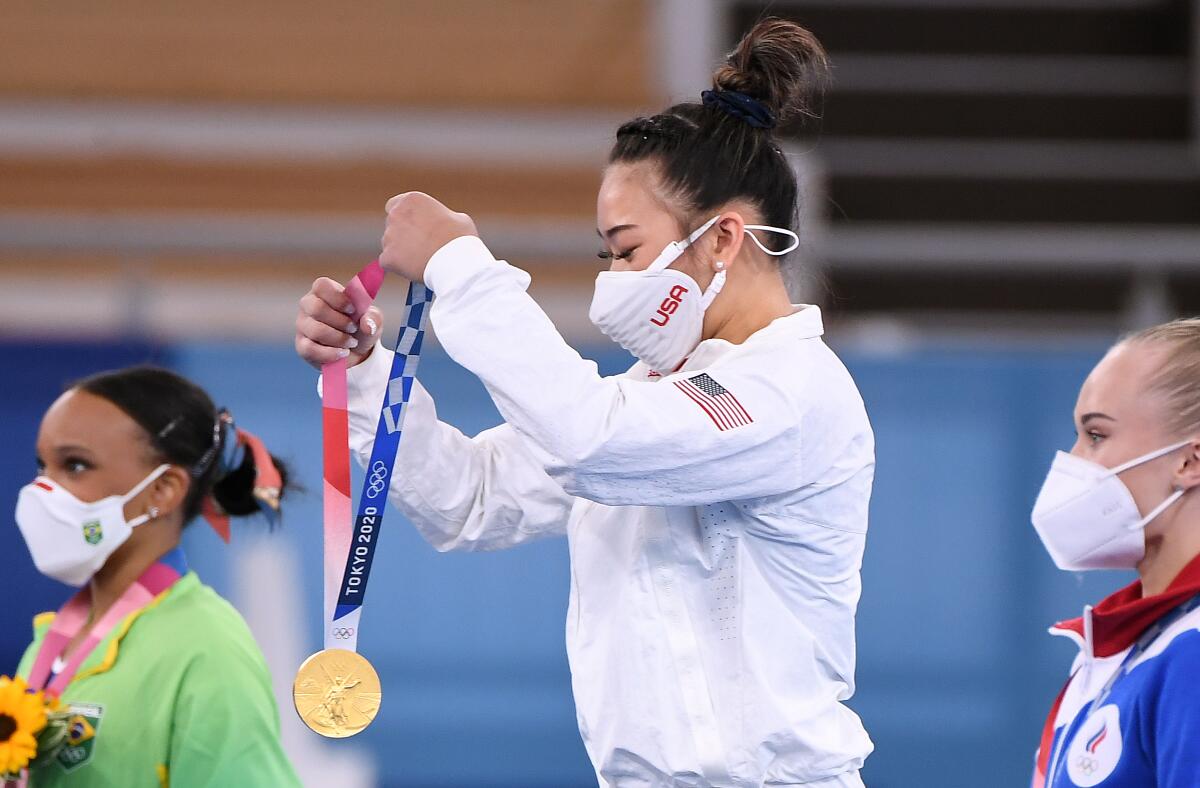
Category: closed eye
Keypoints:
(604, 254)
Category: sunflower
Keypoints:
(22, 717)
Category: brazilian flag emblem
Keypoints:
(92, 532)
(82, 726)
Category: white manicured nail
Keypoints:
(352, 343)
(352, 328)
(343, 353)
(371, 326)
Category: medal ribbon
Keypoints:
(350, 545)
(73, 616)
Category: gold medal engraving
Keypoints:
(337, 692)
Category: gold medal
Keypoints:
(337, 692)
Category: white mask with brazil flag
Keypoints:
(71, 539)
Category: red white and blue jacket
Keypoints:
(1130, 712)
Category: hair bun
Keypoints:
(236, 491)
(782, 65)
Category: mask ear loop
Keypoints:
(1162, 507)
(718, 281)
(143, 484)
(673, 250)
(714, 289)
(1154, 455)
(767, 229)
(676, 248)
(1172, 498)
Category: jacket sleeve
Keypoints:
(617, 441)
(481, 493)
(225, 726)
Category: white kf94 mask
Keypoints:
(1087, 517)
(657, 314)
(70, 539)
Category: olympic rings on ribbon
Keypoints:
(343, 633)
(378, 480)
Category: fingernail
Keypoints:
(343, 353)
(352, 328)
(352, 343)
(371, 326)
(348, 309)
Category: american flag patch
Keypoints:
(716, 401)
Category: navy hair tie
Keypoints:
(740, 106)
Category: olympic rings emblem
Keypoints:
(1087, 765)
(378, 481)
(343, 633)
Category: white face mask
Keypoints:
(70, 539)
(1087, 517)
(657, 314)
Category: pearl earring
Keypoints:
(153, 512)
(720, 266)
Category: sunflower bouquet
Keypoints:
(33, 727)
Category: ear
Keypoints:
(168, 492)
(729, 232)
(1187, 476)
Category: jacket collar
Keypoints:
(804, 323)
(1120, 618)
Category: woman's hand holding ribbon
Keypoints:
(327, 327)
(417, 227)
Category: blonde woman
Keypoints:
(1123, 498)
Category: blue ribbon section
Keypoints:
(378, 479)
(176, 559)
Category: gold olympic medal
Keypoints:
(337, 692)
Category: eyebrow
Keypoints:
(614, 230)
(1094, 415)
(71, 447)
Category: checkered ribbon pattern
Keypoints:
(350, 542)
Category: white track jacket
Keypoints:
(716, 519)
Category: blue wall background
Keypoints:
(955, 669)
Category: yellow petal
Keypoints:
(24, 739)
(11, 759)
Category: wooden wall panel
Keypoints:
(437, 53)
(149, 185)
(250, 272)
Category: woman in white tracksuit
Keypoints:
(714, 496)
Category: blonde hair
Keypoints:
(1178, 377)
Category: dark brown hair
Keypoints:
(179, 419)
(707, 155)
